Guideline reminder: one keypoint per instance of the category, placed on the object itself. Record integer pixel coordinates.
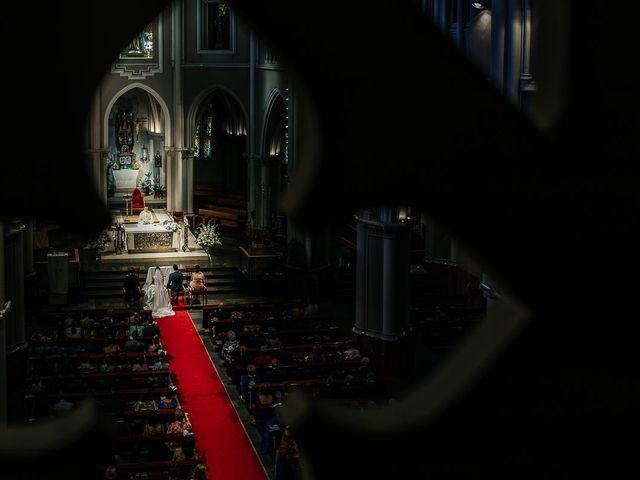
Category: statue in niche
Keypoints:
(222, 23)
(158, 159)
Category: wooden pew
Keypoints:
(225, 219)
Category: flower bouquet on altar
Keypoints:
(208, 237)
(172, 227)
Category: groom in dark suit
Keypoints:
(175, 283)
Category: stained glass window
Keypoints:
(208, 136)
(196, 142)
(141, 46)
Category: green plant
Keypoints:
(146, 185)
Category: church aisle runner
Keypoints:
(217, 429)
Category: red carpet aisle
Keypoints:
(218, 432)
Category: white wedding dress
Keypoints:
(161, 302)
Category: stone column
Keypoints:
(14, 288)
(382, 291)
(97, 151)
(29, 264)
(265, 193)
(251, 166)
(382, 275)
(3, 335)
(527, 83)
(497, 43)
(170, 182)
(178, 175)
(513, 50)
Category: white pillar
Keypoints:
(251, 167)
(497, 43)
(178, 175)
(97, 150)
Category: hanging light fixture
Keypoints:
(478, 5)
(144, 154)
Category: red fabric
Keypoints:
(137, 200)
(217, 429)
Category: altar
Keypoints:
(150, 238)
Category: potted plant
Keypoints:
(146, 185)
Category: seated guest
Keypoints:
(153, 426)
(140, 364)
(155, 345)
(364, 369)
(286, 456)
(136, 326)
(73, 332)
(197, 280)
(146, 403)
(111, 473)
(181, 422)
(132, 292)
(283, 354)
(350, 353)
(175, 283)
(242, 359)
(186, 450)
(162, 363)
(199, 472)
(275, 373)
(167, 402)
(316, 355)
(151, 329)
(264, 359)
(133, 344)
(61, 405)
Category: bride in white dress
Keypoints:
(161, 302)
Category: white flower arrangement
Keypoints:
(99, 243)
(172, 227)
(208, 237)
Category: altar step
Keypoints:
(223, 281)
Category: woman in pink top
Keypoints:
(197, 280)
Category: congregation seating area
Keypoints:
(270, 350)
(118, 358)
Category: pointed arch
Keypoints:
(168, 136)
(194, 108)
(275, 96)
(274, 125)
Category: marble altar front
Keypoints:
(150, 238)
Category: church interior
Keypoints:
(287, 241)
